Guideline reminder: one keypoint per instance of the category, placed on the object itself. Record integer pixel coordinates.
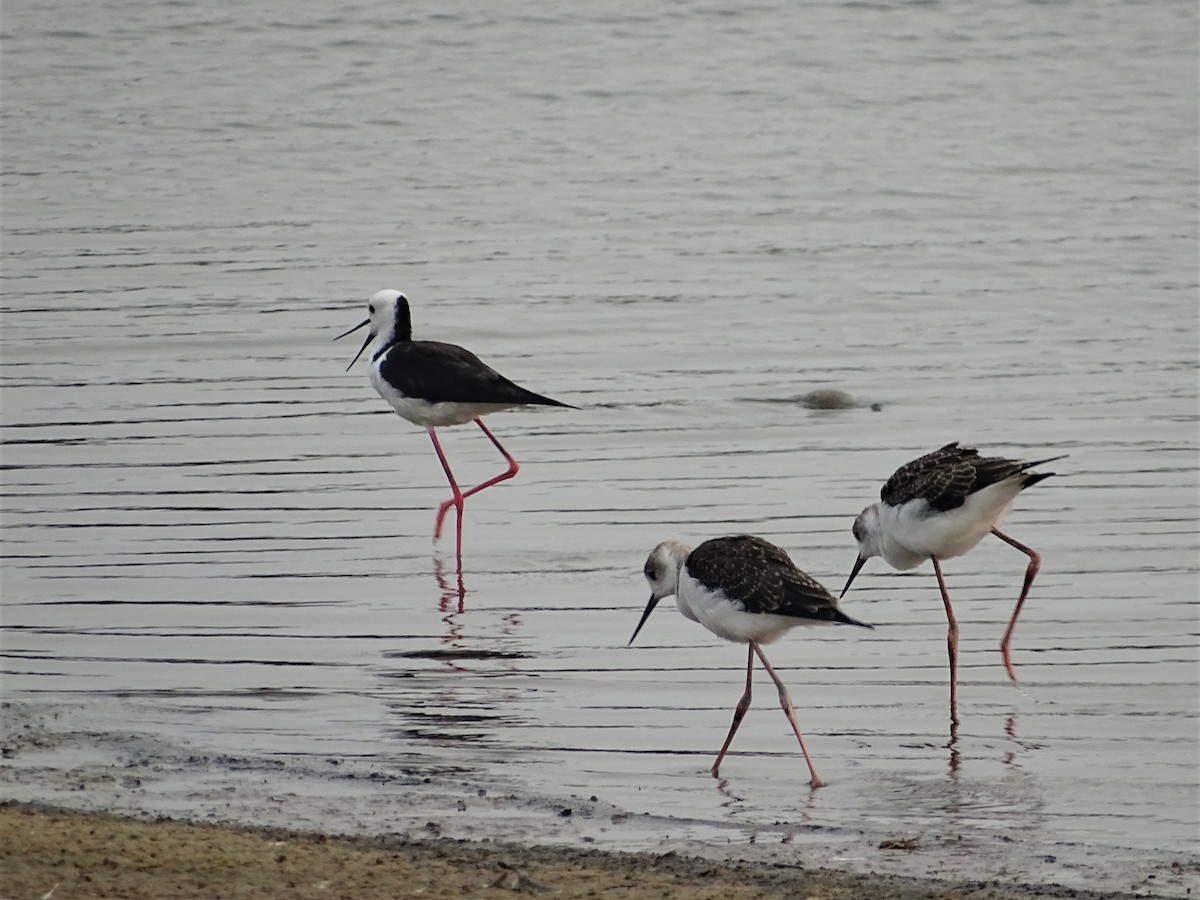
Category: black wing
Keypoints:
(947, 476)
(763, 579)
(447, 373)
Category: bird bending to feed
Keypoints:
(746, 590)
(938, 507)
(433, 384)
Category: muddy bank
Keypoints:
(156, 818)
(79, 854)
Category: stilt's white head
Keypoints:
(869, 533)
(662, 569)
(389, 318)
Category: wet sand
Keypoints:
(48, 852)
(98, 814)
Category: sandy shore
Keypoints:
(55, 853)
(94, 813)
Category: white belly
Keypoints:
(729, 620)
(914, 532)
(432, 415)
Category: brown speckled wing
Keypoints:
(762, 578)
(947, 476)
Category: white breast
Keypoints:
(727, 618)
(914, 532)
(431, 415)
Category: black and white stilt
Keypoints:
(433, 384)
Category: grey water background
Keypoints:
(681, 217)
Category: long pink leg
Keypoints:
(456, 501)
(738, 713)
(1035, 563)
(786, 702)
(512, 470)
(951, 642)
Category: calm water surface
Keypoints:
(979, 217)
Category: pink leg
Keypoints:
(458, 498)
(739, 712)
(456, 501)
(512, 469)
(951, 642)
(1035, 563)
(786, 702)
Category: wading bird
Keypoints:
(746, 590)
(432, 384)
(938, 507)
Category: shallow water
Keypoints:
(978, 218)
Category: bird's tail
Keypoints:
(1031, 478)
(538, 400)
(1042, 462)
(848, 620)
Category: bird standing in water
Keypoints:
(940, 506)
(432, 384)
(746, 590)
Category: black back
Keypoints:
(440, 373)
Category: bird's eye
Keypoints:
(649, 571)
(371, 309)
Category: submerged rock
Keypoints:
(827, 398)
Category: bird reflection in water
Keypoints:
(955, 753)
(452, 596)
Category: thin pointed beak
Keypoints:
(858, 564)
(370, 337)
(649, 609)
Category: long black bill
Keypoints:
(360, 349)
(858, 564)
(649, 609)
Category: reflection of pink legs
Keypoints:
(449, 594)
(951, 641)
(1035, 563)
(459, 496)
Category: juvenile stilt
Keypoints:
(940, 506)
(742, 589)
